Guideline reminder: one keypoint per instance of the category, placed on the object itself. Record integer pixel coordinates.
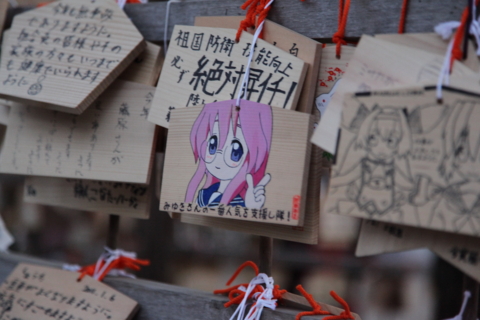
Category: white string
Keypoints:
(466, 296)
(71, 267)
(264, 299)
(444, 76)
(109, 256)
(113, 272)
(13, 3)
(445, 30)
(244, 85)
(165, 32)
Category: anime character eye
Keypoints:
(212, 145)
(372, 140)
(392, 142)
(237, 151)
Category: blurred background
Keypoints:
(408, 285)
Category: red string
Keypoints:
(235, 295)
(121, 263)
(240, 269)
(317, 309)
(339, 36)
(403, 17)
(457, 52)
(345, 314)
(255, 7)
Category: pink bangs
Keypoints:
(256, 122)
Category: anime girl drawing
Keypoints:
(231, 148)
(375, 183)
(457, 205)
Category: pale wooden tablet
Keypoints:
(43, 293)
(204, 65)
(309, 50)
(111, 141)
(63, 55)
(266, 161)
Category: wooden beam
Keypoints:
(159, 299)
(312, 18)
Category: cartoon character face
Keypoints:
(383, 139)
(224, 164)
(231, 155)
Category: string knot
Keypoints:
(261, 290)
(111, 262)
(338, 38)
(445, 29)
(317, 309)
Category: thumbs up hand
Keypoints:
(255, 195)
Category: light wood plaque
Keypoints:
(308, 233)
(125, 199)
(309, 50)
(378, 64)
(146, 67)
(111, 141)
(459, 250)
(407, 159)
(204, 65)
(43, 293)
(283, 177)
(63, 55)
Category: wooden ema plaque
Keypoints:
(459, 250)
(329, 76)
(310, 51)
(125, 199)
(204, 65)
(111, 141)
(375, 65)
(63, 55)
(257, 172)
(43, 293)
(407, 159)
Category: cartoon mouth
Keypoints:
(217, 168)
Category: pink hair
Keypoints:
(256, 122)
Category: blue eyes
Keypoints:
(212, 145)
(237, 151)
